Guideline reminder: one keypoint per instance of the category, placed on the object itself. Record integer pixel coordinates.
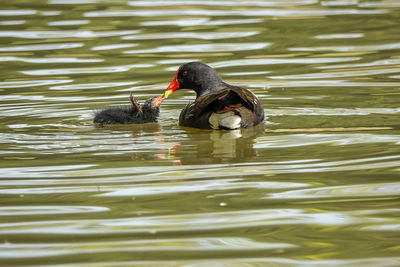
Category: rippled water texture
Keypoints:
(317, 184)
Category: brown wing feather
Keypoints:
(231, 98)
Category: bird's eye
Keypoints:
(184, 74)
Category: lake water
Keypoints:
(317, 184)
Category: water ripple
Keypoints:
(341, 74)
(169, 244)
(348, 191)
(247, 12)
(89, 70)
(91, 85)
(339, 2)
(64, 34)
(222, 3)
(33, 172)
(50, 13)
(188, 172)
(323, 83)
(112, 46)
(273, 61)
(314, 139)
(74, 2)
(199, 21)
(292, 111)
(350, 48)
(340, 36)
(40, 47)
(68, 22)
(31, 83)
(196, 186)
(12, 22)
(191, 35)
(196, 222)
(253, 261)
(50, 60)
(46, 210)
(374, 4)
(378, 63)
(194, 48)
(19, 12)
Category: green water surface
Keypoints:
(316, 184)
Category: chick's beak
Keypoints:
(158, 100)
(174, 85)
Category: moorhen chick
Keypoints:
(218, 105)
(134, 114)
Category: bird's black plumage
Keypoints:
(218, 105)
(133, 114)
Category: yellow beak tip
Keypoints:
(167, 93)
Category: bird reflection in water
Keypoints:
(211, 147)
(201, 147)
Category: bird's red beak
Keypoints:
(174, 85)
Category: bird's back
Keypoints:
(115, 115)
(230, 108)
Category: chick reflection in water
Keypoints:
(220, 146)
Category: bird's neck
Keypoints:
(210, 88)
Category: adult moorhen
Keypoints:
(134, 114)
(218, 105)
